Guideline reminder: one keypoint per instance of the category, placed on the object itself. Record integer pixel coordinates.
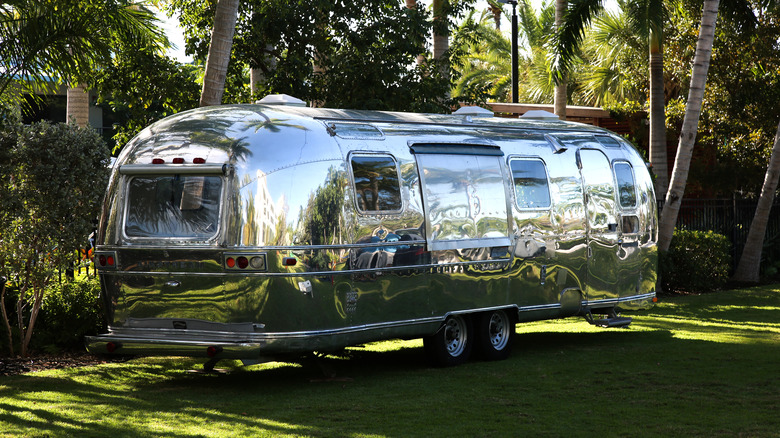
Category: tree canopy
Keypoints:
(46, 41)
(335, 54)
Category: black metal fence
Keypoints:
(730, 217)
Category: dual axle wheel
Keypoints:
(489, 334)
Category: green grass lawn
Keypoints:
(693, 366)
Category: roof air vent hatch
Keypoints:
(540, 115)
(281, 99)
(473, 111)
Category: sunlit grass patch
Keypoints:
(692, 366)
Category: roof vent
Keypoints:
(473, 111)
(539, 115)
(281, 99)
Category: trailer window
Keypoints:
(377, 185)
(173, 206)
(531, 187)
(626, 186)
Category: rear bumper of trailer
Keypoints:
(168, 346)
(243, 345)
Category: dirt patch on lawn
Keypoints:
(10, 366)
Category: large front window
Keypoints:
(173, 206)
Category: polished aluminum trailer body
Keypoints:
(257, 231)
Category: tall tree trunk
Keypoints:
(701, 63)
(560, 98)
(441, 37)
(257, 75)
(412, 4)
(657, 116)
(750, 262)
(77, 107)
(219, 52)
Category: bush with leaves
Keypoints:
(697, 262)
(70, 311)
(52, 184)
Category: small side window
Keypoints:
(377, 185)
(626, 186)
(531, 188)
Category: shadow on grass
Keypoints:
(671, 374)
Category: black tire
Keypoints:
(452, 344)
(495, 334)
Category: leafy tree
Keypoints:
(693, 107)
(365, 54)
(65, 39)
(646, 19)
(52, 185)
(142, 86)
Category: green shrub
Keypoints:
(697, 262)
(70, 311)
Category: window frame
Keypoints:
(355, 192)
(617, 186)
(127, 181)
(514, 185)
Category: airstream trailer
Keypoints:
(261, 231)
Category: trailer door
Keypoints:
(465, 198)
(602, 225)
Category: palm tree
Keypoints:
(38, 45)
(612, 70)
(560, 98)
(646, 18)
(487, 65)
(750, 262)
(219, 52)
(45, 40)
(701, 63)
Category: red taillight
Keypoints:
(112, 347)
(105, 260)
(245, 262)
(289, 261)
(213, 351)
(158, 161)
(178, 160)
(199, 160)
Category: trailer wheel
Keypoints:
(495, 332)
(452, 344)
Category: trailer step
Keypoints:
(617, 321)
